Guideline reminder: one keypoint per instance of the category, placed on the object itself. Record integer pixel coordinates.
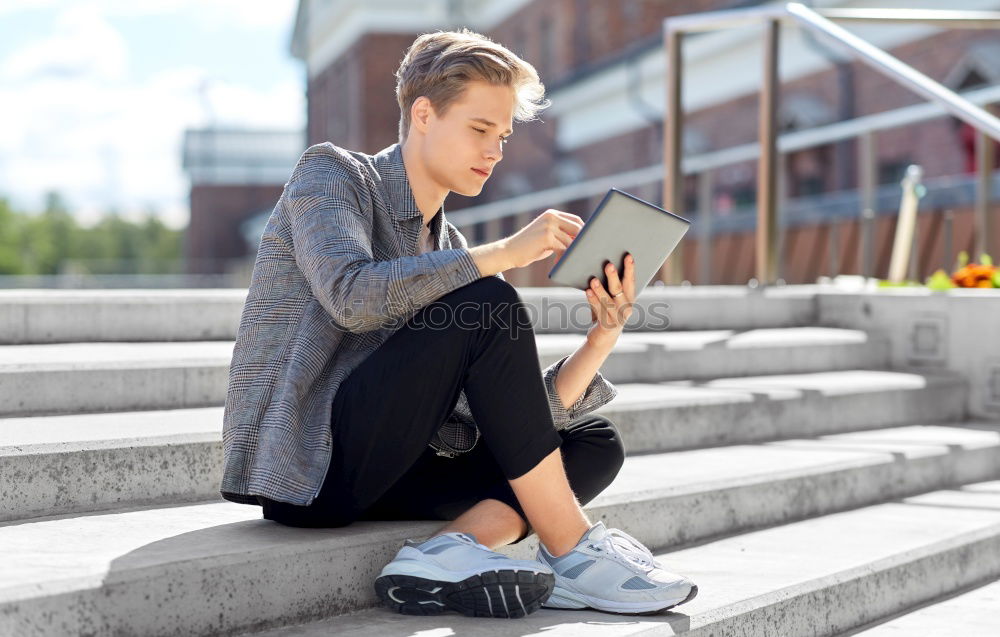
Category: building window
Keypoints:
(893, 170)
(744, 195)
(738, 183)
(807, 171)
(973, 79)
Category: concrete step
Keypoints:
(217, 568)
(974, 613)
(700, 355)
(69, 316)
(817, 577)
(52, 465)
(87, 377)
(702, 307)
(94, 377)
(87, 462)
(677, 415)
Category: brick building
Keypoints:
(236, 178)
(603, 66)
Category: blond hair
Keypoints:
(438, 65)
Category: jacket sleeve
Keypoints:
(458, 239)
(599, 392)
(331, 234)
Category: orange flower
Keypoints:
(974, 275)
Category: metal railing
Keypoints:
(862, 127)
(819, 21)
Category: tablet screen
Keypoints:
(622, 223)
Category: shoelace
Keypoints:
(629, 548)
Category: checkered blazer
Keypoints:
(337, 272)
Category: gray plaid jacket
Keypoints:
(337, 272)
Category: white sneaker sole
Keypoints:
(565, 599)
(427, 570)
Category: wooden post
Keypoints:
(673, 180)
(766, 175)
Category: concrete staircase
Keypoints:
(806, 487)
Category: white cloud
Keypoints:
(103, 141)
(15, 6)
(281, 107)
(83, 44)
(121, 146)
(252, 13)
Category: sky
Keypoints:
(95, 95)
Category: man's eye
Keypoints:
(502, 139)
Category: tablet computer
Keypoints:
(622, 224)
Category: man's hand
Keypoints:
(611, 308)
(550, 232)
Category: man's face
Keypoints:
(462, 148)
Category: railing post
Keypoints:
(705, 217)
(948, 249)
(868, 243)
(782, 215)
(984, 224)
(906, 223)
(766, 183)
(833, 248)
(673, 182)
(866, 182)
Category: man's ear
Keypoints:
(420, 113)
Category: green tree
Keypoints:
(11, 261)
(48, 242)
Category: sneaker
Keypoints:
(453, 571)
(610, 570)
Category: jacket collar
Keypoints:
(389, 164)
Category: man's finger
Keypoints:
(613, 281)
(629, 285)
(569, 218)
(592, 301)
(564, 238)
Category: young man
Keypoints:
(360, 388)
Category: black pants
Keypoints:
(478, 337)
